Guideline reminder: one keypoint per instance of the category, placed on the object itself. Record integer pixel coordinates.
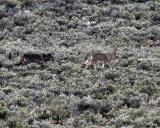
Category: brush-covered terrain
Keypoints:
(64, 93)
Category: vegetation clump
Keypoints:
(64, 93)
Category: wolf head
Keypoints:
(112, 55)
(48, 57)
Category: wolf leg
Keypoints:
(103, 65)
(110, 65)
(95, 66)
(41, 64)
(25, 61)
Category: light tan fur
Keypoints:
(102, 57)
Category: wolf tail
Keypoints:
(20, 62)
(90, 58)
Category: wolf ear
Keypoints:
(49, 54)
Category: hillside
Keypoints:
(64, 93)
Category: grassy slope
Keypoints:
(64, 92)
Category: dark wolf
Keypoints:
(35, 58)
